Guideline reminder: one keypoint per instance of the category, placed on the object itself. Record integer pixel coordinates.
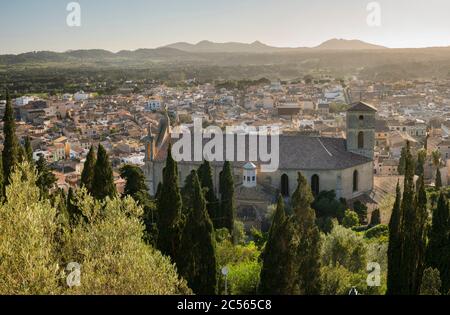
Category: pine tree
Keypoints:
(438, 181)
(28, 150)
(274, 278)
(438, 243)
(169, 209)
(394, 247)
(196, 260)
(87, 175)
(307, 239)
(103, 181)
(227, 203)
(10, 154)
(206, 179)
(46, 179)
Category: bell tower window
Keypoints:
(361, 140)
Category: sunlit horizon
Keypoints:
(116, 25)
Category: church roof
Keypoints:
(362, 107)
(296, 152)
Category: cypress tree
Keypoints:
(394, 247)
(438, 181)
(135, 180)
(10, 154)
(75, 214)
(421, 158)
(197, 253)
(375, 219)
(87, 175)
(206, 180)
(412, 233)
(431, 282)
(438, 243)
(169, 209)
(227, 204)
(187, 194)
(103, 181)
(307, 239)
(274, 278)
(45, 179)
(158, 192)
(136, 188)
(22, 156)
(420, 234)
(2, 180)
(445, 266)
(28, 150)
(408, 210)
(402, 162)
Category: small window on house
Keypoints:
(361, 117)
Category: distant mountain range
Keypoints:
(344, 44)
(258, 47)
(249, 60)
(182, 49)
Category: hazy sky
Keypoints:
(28, 25)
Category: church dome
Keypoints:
(249, 166)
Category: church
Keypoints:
(342, 165)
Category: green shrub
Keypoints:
(378, 231)
(350, 220)
(243, 278)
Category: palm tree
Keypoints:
(436, 158)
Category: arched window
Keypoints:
(361, 140)
(355, 181)
(315, 185)
(284, 185)
(361, 117)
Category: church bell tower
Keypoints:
(361, 129)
